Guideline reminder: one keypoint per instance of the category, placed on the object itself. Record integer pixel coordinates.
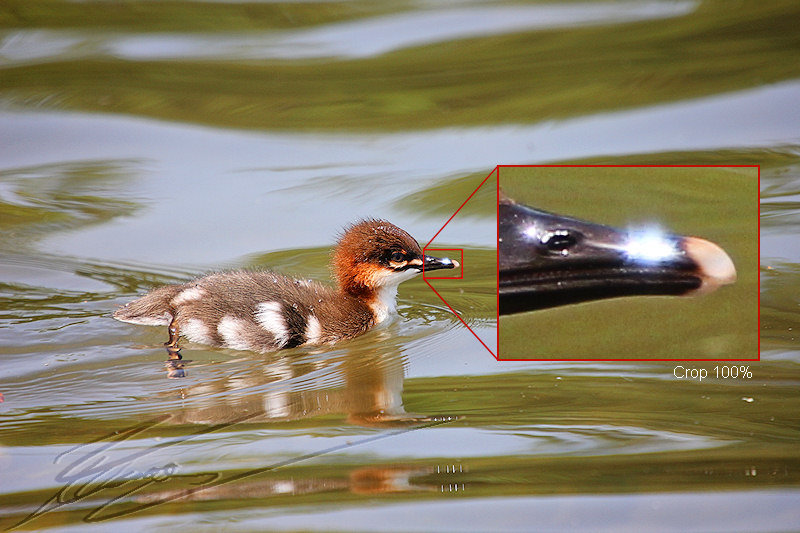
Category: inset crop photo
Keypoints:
(628, 262)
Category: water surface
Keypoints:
(147, 142)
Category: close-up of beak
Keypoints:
(437, 263)
(547, 260)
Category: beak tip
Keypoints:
(716, 266)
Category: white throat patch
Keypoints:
(385, 304)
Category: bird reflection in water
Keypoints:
(364, 386)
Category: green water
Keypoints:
(145, 142)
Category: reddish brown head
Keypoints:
(372, 254)
(373, 257)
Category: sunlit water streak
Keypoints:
(352, 39)
(183, 162)
(681, 512)
(253, 447)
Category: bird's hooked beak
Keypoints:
(547, 260)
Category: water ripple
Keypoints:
(354, 39)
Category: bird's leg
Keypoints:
(173, 350)
(174, 363)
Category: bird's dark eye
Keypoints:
(559, 240)
(397, 257)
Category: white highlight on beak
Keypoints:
(649, 246)
(532, 232)
(448, 261)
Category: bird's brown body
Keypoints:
(265, 311)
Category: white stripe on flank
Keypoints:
(196, 331)
(271, 318)
(231, 330)
(313, 331)
(187, 295)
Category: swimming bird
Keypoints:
(264, 311)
